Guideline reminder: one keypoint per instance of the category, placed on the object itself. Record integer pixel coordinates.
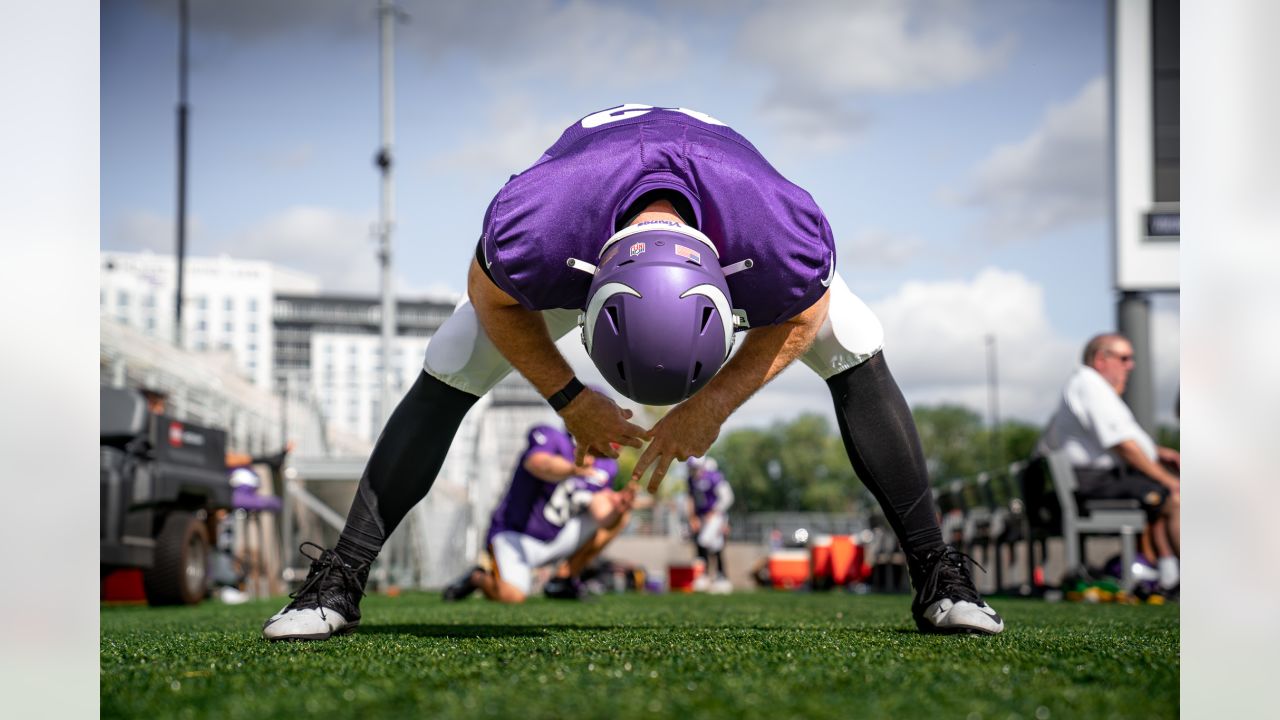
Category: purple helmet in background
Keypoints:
(658, 322)
(706, 462)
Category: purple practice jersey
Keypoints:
(538, 508)
(703, 488)
(566, 206)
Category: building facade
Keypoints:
(329, 348)
(228, 305)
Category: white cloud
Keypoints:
(337, 248)
(334, 246)
(875, 248)
(813, 124)
(936, 342)
(821, 55)
(837, 48)
(256, 20)
(144, 230)
(1052, 179)
(581, 43)
(512, 136)
(936, 347)
(586, 44)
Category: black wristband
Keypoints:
(566, 394)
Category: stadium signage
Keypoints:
(1164, 225)
(180, 436)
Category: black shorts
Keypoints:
(1121, 484)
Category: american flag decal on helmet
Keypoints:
(689, 253)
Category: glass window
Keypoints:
(229, 326)
(122, 299)
(253, 305)
(229, 304)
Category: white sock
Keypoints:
(1168, 567)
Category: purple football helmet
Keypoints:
(705, 463)
(658, 322)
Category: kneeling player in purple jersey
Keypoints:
(710, 498)
(661, 235)
(556, 512)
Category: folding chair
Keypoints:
(1094, 517)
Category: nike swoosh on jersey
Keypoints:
(831, 271)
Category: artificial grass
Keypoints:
(749, 655)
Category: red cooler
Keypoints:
(842, 557)
(788, 568)
(820, 559)
(680, 577)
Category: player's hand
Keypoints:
(585, 468)
(695, 524)
(687, 431)
(599, 426)
(626, 498)
(1170, 457)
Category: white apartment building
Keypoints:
(346, 377)
(228, 305)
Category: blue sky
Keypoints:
(958, 148)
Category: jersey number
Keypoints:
(559, 507)
(622, 112)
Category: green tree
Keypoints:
(952, 440)
(1169, 436)
(796, 465)
(956, 444)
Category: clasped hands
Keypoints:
(599, 427)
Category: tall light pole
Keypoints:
(182, 167)
(387, 15)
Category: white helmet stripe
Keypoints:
(717, 298)
(598, 300)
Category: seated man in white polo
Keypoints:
(1113, 456)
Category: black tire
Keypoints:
(181, 570)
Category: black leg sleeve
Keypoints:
(884, 447)
(403, 465)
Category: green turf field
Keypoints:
(751, 655)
